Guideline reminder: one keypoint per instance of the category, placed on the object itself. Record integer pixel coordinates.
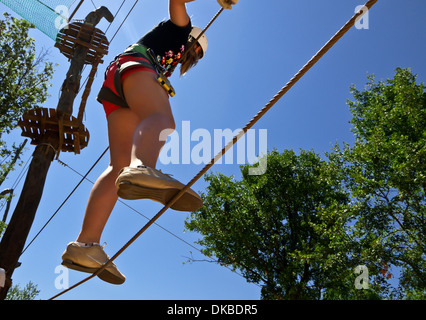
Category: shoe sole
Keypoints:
(187, 202)
(104, 275)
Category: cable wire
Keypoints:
(124, 20)
(158, 225)
(63, 203)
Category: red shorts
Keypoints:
(109, 80)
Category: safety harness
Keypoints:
(136, 50)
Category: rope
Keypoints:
(123, 20)
(185, 53)
(251, 123)
(158, 225)
(106, 31)
(119, 9)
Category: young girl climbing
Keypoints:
(135, 97)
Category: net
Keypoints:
(49, 16)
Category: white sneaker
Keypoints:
(90, 260)
(147, 183)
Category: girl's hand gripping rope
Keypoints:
(227, 4)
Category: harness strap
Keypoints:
(162, 79)
(106, 94)
(123, 67)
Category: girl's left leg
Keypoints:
(150, 102)
(84, 255)
(141, 180)
(121, 126)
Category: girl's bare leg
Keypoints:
(121, 126)
(151, 103)
(133, 140)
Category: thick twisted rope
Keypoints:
(249, 125)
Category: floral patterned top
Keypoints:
(168, 41)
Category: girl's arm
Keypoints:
(178, 13)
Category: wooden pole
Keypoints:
(16, 233)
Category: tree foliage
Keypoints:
(29, 292)
(302, 228)
(386, 174)
(22, 85)
(24, 81)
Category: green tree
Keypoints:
(268, 226)
(24, 81)
(302, 228)
(2, 227)
(386, 175)
(28, 293)
(22, 85)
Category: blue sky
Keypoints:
(254, 50)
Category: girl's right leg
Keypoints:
(133, 140)
(150, 102)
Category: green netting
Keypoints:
(49, 16)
